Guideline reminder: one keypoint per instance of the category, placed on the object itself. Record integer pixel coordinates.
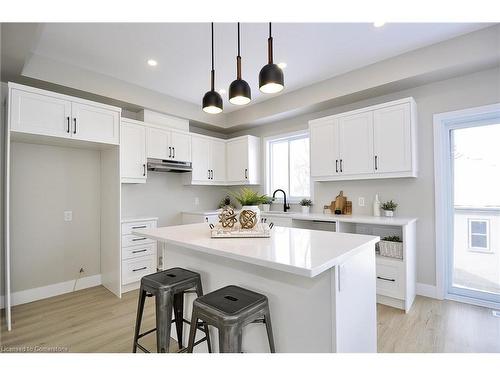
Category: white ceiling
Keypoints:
(313, 52)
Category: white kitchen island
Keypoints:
(320, 285)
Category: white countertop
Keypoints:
(205, 212)
(301, 252)
(361, 219)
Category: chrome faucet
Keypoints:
(285, 206)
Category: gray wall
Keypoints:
(46, 181)
(415, 196)
(164, 196)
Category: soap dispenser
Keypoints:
(376, 206)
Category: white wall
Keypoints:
(46, 181)
(3, 96)
(164, 196)
(415, 196)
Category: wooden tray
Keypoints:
(261, 230)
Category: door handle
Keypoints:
(67, 130)
(139, 251)
(139, 239)
(383, 278)
(139, 269)
(337, 166)
(140, 226)
(144, 170)
(212, 174)
(170, 152)
(340, 165)
(173, 149)
(74, 121)
(376, 162)
(208, 173)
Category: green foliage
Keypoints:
(392, 239)
(249, 197)
(306, 202)
(226, 201)
(269, 200)
(389, 206)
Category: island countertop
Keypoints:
(302, 252)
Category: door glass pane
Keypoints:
(475, 268)
(299, 167)
(279, 166)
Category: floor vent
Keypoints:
(496, 313)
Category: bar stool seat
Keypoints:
(230, 309)
(168, 287)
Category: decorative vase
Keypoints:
(247, 220)
(305, 210)
(266, 207)
(388, 213)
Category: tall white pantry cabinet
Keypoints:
(46, 118)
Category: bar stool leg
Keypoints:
(192, 330)
(138, 319)
(230, 339)
(179, 315)
(163, 321)
(199, 293)
(269, 329)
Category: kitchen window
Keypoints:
(287, 165)
(479, 235)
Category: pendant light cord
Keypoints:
(270, 46)
(213, 70)
(238, 58)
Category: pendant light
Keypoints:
(239, 90)
(271, 76)
(212, 101)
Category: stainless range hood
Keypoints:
(160, 165)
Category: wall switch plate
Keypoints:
(196, 201)
(361, 201)
(68, 215)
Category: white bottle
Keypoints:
(376, 206)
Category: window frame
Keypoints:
(486, 249)
(268, 141)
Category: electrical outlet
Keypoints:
(68, 215)
(196, 201)
(361, 201)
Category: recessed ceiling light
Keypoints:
(152, 62)
(282, 65)
(222, 91)
(378, 23)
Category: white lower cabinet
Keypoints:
(139, 254)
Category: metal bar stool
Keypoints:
(230, 309)
(168, 287)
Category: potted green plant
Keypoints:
(249, 200)
(389, 208)
(226, 201)
(266, 206)
(306, 204)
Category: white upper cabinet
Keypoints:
(133, 152)
(168, 144)
(95, 124)
(373, 142)
(243, 161)
(218, 160)
(355, 134)
(323, 136)
(41, 112)
(392, 139)
(209, 161)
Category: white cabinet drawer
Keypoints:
(131, 240)
(134, 269)
(390, 280)
(139, 251)
(127, 228)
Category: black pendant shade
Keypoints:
(239, 90)
(212, 101)
(271, 79)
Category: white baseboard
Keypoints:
(35, 294)
(427, 290)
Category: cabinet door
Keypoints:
(218, 160)
(237, 161)
(324, 149)
(133, 153)
(158, 143)
(356, 144)
(392, 139)
(39, 114)
(200, 155)
(95, 124)
(181, 146)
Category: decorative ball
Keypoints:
(227, 217)
(248, 219)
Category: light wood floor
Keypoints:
(94, 320)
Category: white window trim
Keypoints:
(267, 172)
(486, 249)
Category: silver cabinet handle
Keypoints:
(144, 169)
(211, 174)
(139, 269)
(139, 239)
(170, 152)
(140, 226)
(173, 149)
(376, 162)
(208, 171)
(383, 278)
